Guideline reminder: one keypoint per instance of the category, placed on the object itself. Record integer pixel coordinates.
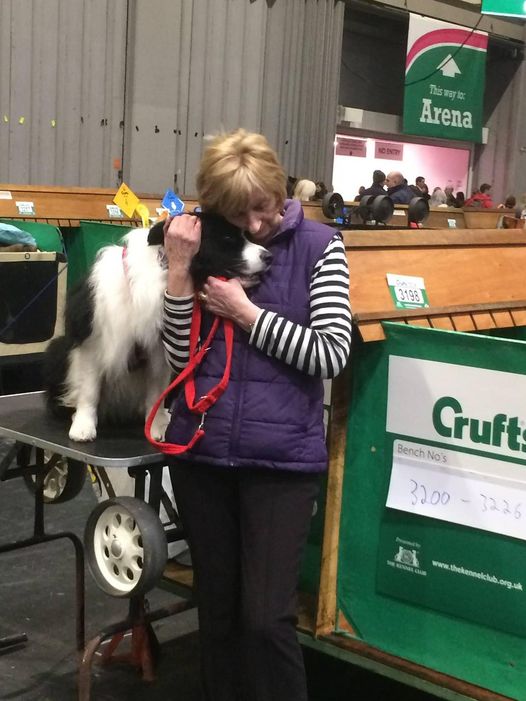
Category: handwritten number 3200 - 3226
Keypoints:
(421, 494)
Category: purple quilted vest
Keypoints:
(270, 415)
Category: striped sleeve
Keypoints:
(322, 348)
(177, 321)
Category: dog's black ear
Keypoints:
(216, 225)
(156, 234)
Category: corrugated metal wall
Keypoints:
(199, 66)
(62, 67)
(502, 161)
(84, 83)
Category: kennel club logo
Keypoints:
(407, 557)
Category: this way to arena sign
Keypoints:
(444, 83)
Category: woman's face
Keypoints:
(260, 219)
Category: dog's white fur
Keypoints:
(128, 296)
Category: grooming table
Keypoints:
(25, 419)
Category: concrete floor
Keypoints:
(37, 598)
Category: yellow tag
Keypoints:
(53, 123)
(6, 118)
(126, 200)
(143, 212)
(21, 120)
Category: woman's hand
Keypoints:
(182, 238)
(229, 300)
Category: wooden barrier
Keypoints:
(478, 258)
(439, 217)
(482, 218)
(65, 206)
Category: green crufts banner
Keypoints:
(447, 594)
(444, 80)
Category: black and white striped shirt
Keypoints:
(320, 350)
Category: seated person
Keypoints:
(509, 203)
(481, 198)
(420, 188)
(438, 198)
(451, 200)
(398, 189)
(378, 185)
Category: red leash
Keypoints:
(187, 376)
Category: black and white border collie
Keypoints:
(110, 364)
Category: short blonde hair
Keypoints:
(235, 166)
(304, 190)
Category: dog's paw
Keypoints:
(160, 424)
(82, 429)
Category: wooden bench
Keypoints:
(482, 218)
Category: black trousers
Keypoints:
(247, 529)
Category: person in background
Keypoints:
(321, 190)
(521, 207)
(451, 200)
(460, 198)
(509, 203)
(398, 189)
(438, 198)
(420, 188)
(481, 198)
(377, 187)
(247, 488)
(305, 190)
(291, 184)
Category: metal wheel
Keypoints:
(382, 208)
(418, 210)
(63, 480)
(332, 205)
(379, 208)
(125, 546)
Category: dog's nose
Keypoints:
(266, 257)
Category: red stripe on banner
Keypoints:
(474, 40)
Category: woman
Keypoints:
(438, 198)
(246, 490)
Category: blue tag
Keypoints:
(172, 203)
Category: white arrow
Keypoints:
(448, 67)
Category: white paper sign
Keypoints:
(470, 490)
(26, 208)
(114, 211)
(5, 195)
